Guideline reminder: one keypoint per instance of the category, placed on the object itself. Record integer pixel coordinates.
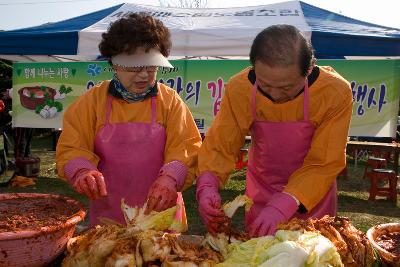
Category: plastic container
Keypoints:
(28, 166)
(36, 248)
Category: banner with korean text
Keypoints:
(43, 91)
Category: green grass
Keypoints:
(352, 199)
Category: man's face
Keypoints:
(281, 83)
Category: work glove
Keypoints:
(209, 200)
(279, 209)
(90, 183)
(163, 192)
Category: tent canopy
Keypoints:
(205, 32)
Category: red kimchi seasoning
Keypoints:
(390, 242)
(33, 213)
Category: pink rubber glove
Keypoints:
(279, 209)
(90, 182)
(209, 200)
(162, 194)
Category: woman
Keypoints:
(130, 137)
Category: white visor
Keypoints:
(141, 58)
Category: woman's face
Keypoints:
(137, 79)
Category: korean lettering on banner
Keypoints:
(30, 73)
(199, 123)
(46, 73)
(369, 97)
(274, 12)
(216, 88)
(63, 72)
(192, 89)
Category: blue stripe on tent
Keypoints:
(333, 36)
(328, 45)
(336, 36)
(313, 12)
(60, 38)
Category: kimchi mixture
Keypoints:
(33, 213)
(390, 242)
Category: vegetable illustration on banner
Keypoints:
(43, 91)
(42, 99)
(51, 107)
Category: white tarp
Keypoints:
(205, 32)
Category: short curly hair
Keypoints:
(136, 30)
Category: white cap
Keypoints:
(141, 58)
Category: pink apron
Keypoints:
(277, 150)
(131, 154)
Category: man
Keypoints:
(298, 116)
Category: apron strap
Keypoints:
(153, 109)
(306, 101)
(108, 109)
(253, 100)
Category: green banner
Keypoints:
(43, 91)
(376, 90)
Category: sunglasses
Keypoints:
(136, 69)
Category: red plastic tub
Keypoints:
(40, 244)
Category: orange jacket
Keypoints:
(330, 111)
(86, 116)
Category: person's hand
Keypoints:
(209, 201)
(279, 210)
(90, 183)
(162, 194)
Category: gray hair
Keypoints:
(282, 45)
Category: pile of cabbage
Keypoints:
(286, 249)
(143, 242)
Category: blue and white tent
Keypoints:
(205, 32)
